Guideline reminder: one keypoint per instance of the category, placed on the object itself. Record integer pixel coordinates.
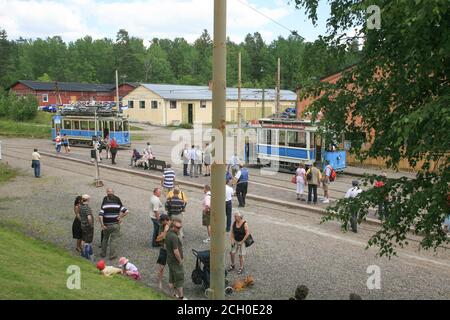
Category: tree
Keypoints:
(393, 104)
(6, 59)
(203, 58)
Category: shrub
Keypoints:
(186, 126)
(18, 108)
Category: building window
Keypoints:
(203, 104)
(45, 98)
(142, 104)
(173, 104)
(154, 104)
(131, 104)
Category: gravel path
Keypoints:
(291, 247)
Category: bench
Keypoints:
(157, 165)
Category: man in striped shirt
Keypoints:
(110, 217)
(175, 206)
(168, 179)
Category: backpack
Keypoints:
(309, 175)
(332, 174)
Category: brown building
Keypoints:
(68, 92)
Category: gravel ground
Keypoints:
(291, 247)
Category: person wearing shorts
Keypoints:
(174, 248)
(160, 239)
(206, 213)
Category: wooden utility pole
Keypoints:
(263, 108)
(218, 166)
(278, 88)
(239, 92)
(117, 90)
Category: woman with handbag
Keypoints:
(240, 239)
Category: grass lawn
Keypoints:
(7, 173)
(32, 269)
(134, 128)
(24, 129)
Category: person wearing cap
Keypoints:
(314, 181)
(238, 236)
(107, 271)
(164, 227)
(174, 248)
(129, 269)
(87, 226)
(353, 193)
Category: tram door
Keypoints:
(105, 126)
(318, 143)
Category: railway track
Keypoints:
(141, 183)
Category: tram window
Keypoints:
(312, 140)
(282, 138)
(76, 125)
(111, 126)
(125, 126)
(84, 125)
(118, 126)
(67, 124)
(91, 125)
(269, 137)
(297, 139)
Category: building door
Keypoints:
(190, 113)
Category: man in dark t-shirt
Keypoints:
(174, 249)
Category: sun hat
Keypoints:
(123, 261)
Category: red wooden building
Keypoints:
(69, 92)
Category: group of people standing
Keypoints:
(62, 142)
(110, 217)
(194, 159)
(313, 177)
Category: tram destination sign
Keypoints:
(284, 126)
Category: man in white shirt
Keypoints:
(155, 211)
(36, 163)
(198, 159)
(186, 158)
(353, 193)
(192, 166)
(228, 204)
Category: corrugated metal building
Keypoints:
(165, 104)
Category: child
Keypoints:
(107, 271)
(129, 269)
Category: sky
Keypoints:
(148, 19)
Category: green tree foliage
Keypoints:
(162, 60)
(393, 104)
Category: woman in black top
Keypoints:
(238, 236)
(76, 225)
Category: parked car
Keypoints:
(50, 108)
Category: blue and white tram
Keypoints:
(289, 142)
(80, 129)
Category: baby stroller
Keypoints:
(201, 275)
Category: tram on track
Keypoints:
(81, 127)
(287, 142)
